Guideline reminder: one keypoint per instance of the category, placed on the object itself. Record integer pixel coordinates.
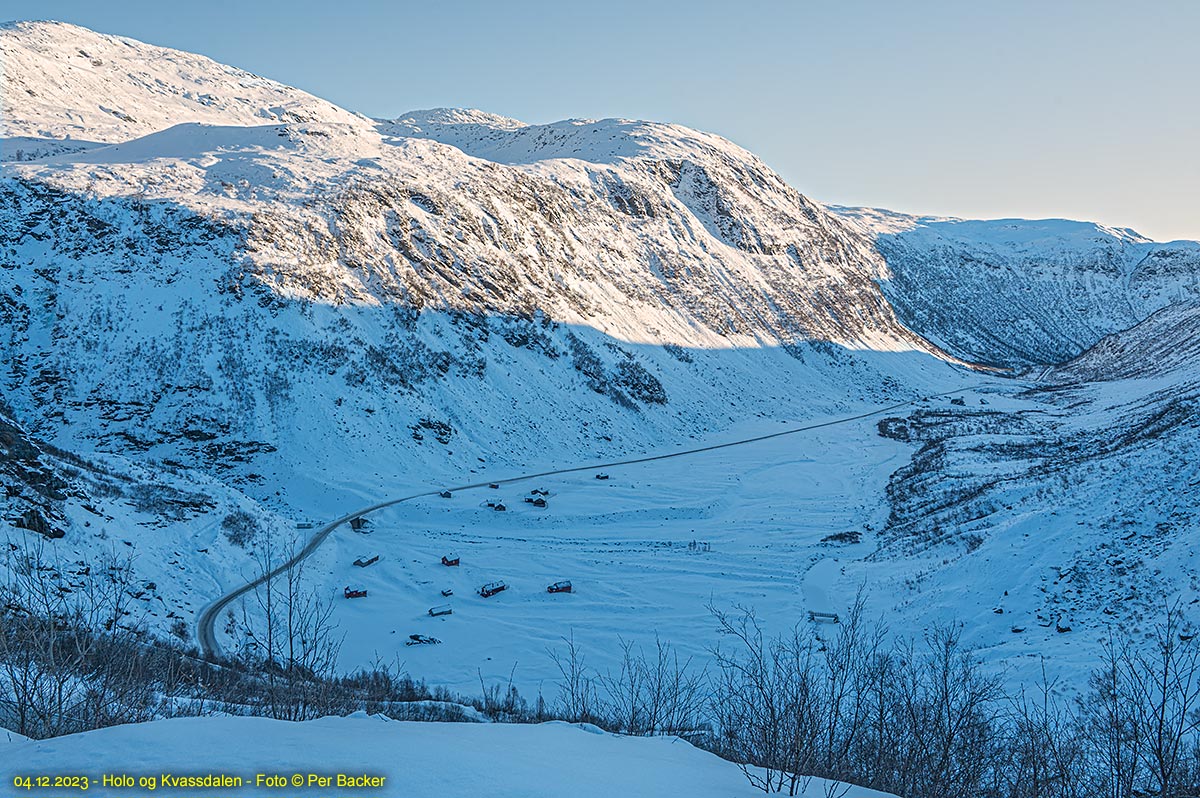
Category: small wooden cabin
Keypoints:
(492, 588)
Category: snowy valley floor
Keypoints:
(647, 551)
(784, 526)
(757, 515)
(1046, 562)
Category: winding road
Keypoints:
(206, 621)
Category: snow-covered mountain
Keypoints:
(1167, 343)
(225, 296)
(67, 88)
(1021, 293)
(188, 292)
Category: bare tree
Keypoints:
(577, 700)
(1111, 727)
(659, 694)
(625, 694)
(293, 638)
(952, 707)
(1165, 682)
(847, 668)
(760, 704)
(677, 692)
(1045, 751)
(1141, 719)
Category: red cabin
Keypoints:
(449, 559)
(563, 586)
(354, 593)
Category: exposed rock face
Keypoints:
(33, 485)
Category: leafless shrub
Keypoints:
(240, 527)
(578, 700)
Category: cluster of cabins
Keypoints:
(453, 561)
(486, 590)
(536, 497)
(493, 588)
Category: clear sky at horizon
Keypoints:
(1083, 110)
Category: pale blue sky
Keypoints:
(1086, 110)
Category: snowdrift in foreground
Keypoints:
(417, 759)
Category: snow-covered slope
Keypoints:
(188, 292)
(67, 88)
(95, 507)
(1055, 516)
(1024, 293)
(415, 760)
(1167, 342)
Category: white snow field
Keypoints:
(417, 760)
(756, 515)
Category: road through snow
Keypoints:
(206, 620)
